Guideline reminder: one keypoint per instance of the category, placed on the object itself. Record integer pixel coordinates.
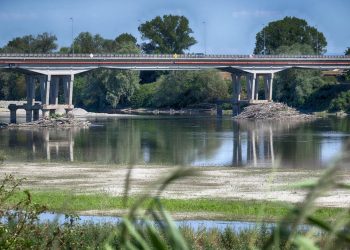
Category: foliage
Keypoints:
(183, 88)
(12, 86)
(16, 224)
(87, 43)
(336, 231)
(295, 86)
(103, 88)
(287, 32)
(320, 100)
(341, 103)
(168, 34)
(42, 43)
(144, 95)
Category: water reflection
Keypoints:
(40, 144)
(199, 141)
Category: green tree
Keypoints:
(12, 84)
(101, 88)
(295, 86)
(293, 36)
(42, 43)
(180, 89)
(85, 42)
(168, 34)
(288, 32)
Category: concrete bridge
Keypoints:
(51, 70)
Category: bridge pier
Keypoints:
(45, 82)
(49, 92)
(252, 88)
(30, 87)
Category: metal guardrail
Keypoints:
(169, 56)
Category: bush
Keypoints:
(341, 103)
(143, 96)
(180, 89)
(321, 99)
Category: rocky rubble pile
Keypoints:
(53, 123)
(272, 111)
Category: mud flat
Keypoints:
(210, 183)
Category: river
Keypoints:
(177, 140)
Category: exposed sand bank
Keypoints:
(225, 183)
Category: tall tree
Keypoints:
(287, 32)
(293, 36)
(85, 42)
(42, 43)
(168, 34)
(104, 87)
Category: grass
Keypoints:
(197, 208)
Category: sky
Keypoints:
(219, 26)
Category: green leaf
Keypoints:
(304, 243)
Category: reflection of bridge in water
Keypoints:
(45, 142)
(253, 144)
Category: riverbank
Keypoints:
(93, 187)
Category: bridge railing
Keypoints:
(166, 56)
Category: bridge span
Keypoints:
(50, 70)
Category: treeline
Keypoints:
(104, 88)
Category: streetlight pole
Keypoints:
(72, 35)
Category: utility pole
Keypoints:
(72, 35)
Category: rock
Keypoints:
(272, 111)
(54, 123)
(3, 125)
(60, 111)
(77, 112)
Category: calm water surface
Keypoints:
(196, 141)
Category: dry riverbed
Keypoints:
(224, 183)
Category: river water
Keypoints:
(177, 140)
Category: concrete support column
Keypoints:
(269, 98)
(54, 90)
(13, 113)
(256, 92)
(268, 80)
(236, 95)
(36, 114)
(70, 90)
(30, 86)
(266, 86)
(66, 82)
(45, 82)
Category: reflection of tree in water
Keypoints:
(156, 141)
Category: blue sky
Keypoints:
(220, 26)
